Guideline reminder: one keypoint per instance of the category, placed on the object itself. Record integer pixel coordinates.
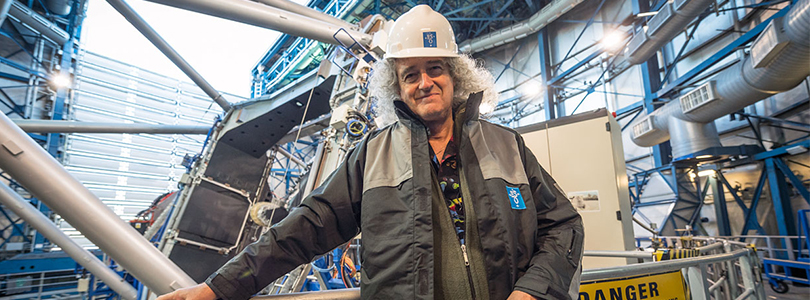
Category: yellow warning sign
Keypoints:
(664, 286)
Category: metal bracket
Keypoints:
(12, 148)
(225, 186)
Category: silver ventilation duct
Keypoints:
(545, 16)
(59, 7)
(264, 16)
(779, 61)
(670, 20)
(28, 17)
(5, 5)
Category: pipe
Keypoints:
(742, 84)
(49, 126)
(59, 7)
(645, 226)
(625, 254)
(341, 294)
(264, 16)
(305, 11)
(660, 267)
(33, 217)
(291, 157)
(28, 17)
(5, 6)
(125, 10)
(545, 16)
(671, 19)
(43, 176)
(690, 137)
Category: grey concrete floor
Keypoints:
(794, 293)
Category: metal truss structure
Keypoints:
(47, 58)
(291, 57)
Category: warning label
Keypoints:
(665, 286)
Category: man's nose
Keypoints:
(425, 82)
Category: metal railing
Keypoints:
(768, 246)
(725, 270)
(730, 275)
(38, 285)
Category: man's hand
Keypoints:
(517, 295)
(197, 292)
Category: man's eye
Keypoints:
(436, 70)
(410, 78)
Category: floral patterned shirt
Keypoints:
(447, 172)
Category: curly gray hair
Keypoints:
(468, 77)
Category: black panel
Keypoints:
(199, 264)
(236, 168)
(214, 213)
(256, 136)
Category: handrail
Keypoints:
(343, 294)
(625, 254)
(732, 284)
(658, 267)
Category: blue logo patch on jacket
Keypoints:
(429, 39)
(515, 198)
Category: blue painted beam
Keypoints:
(14, 77)
(495, 16)
(23, 68)
(465, 8)
(780, 151)
(588, 24)
(545, 69)
(780, 198)
(576, 66)
(751, 221)
(795, 181)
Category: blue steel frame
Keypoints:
(285, 172)
(299, 57)
(52, 142)
(775, 171)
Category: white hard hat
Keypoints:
(421, 32)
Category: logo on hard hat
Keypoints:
(429, 39)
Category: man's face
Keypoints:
(426, 87)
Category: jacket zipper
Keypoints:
(467, 266)
(465, 195)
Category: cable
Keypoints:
(297, 136)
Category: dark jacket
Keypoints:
(387, 187)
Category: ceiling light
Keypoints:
(61, 81)
(530, 90)
(613, 41)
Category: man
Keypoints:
(451, 207)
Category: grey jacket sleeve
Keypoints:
(328, 217)
(559, 242)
